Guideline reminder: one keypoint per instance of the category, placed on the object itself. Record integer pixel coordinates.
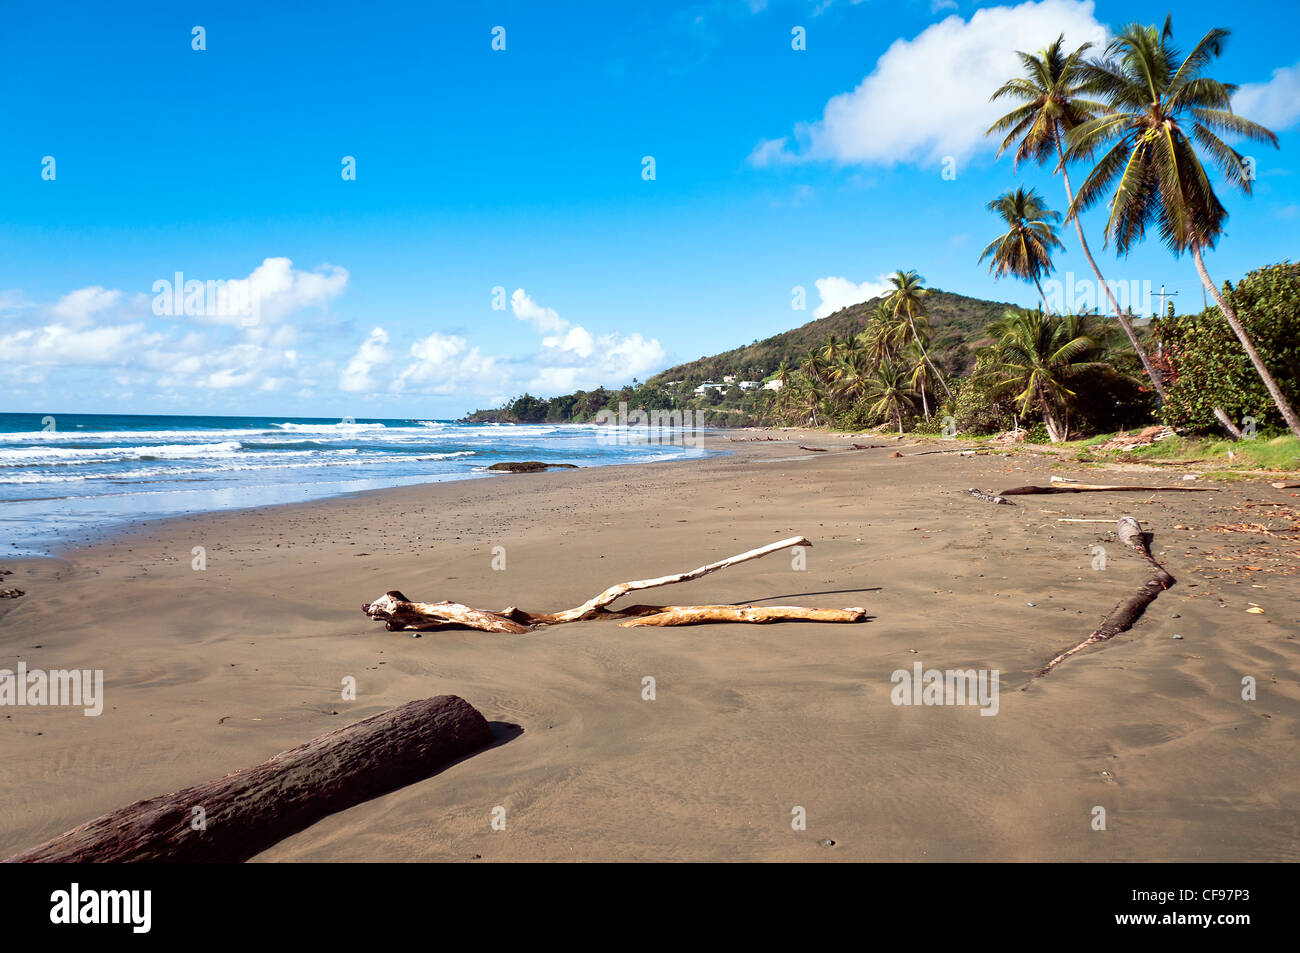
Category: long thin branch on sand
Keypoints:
(401, 614)
(1097, 488)
(1124, 615)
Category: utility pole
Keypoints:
(1161, 313)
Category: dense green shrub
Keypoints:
(978, 413)
(1209, 367)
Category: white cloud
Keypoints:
(282, 289)
(357, 375)
(572, 357)
(446, 364)
(274, 288)
(1275, 104)
(569, 357)
(837, 293)
(13, 300)
(78, 307)
(57, 344)
(927, 97)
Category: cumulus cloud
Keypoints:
(837, 293)
(446, 364)
(357, 376)
(57, 344)
(927, 97)
(272, 291)
(97, 327)
(568, 357)
(283, 289)
(572, 357)
(78, 307)
(1275, 104)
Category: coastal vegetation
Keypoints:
(1143, 119)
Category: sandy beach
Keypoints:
(210, 671)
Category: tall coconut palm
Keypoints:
(919, 377)
(907, 302)
(890, 393)
(1052, 93)
(1033, 356)
(882, 335)
(1025, 249)
(1161, 106)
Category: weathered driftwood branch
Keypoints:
(1285, 486)
(988, 497)
(1097, 488)
(848, 449)
(693, 615)
(400, 614)
(246, 812)
(1124, 615)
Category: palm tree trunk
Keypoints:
(925, 404)
(1053, 431)
(1123, 319)
(917, 338)
(1288, 412)
(1046, 309)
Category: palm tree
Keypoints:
(890, 393)
(1052, 105)
(1025, 249)
(1159, 110)
(810, 397)
(881, 335)
(782, 374)
(919, 377)
(907, 301)
(1034, 355)
(850, 376)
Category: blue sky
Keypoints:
(516, 177)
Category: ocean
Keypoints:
(69, 478)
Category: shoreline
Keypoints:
(208, 672)
(106, 531)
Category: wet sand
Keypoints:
(210, 671)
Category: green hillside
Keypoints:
(957, 325)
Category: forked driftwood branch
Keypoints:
(1123, 616)
(401, 614)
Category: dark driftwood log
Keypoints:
(250, 810)
(988, 497)
(1124, 615)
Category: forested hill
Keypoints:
(957, 324)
